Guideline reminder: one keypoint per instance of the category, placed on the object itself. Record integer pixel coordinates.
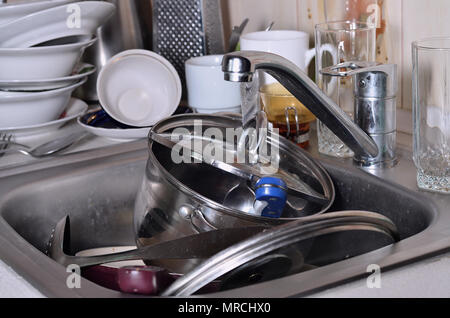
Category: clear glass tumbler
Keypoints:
(338, 42)
(287, 114)
(431, 112)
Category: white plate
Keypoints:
(75, 109)
(13, 11)
(55, 23)
(48, 84)
(118, 134)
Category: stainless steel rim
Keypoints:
(285, 145)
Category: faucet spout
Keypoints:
(241, 66)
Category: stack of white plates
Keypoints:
(41, 47)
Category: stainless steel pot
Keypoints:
(177, 200)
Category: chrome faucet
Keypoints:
(241, 67)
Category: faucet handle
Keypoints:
(385, 77)
(375, 90)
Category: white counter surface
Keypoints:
(428, 278)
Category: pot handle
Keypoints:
(200, 223)
(198, 220)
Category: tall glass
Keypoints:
(431, 112)
(338, 42)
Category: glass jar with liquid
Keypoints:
(287, 114)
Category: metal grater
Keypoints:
(183, 29)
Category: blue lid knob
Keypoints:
(274, 192)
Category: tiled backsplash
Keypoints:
(405, 21)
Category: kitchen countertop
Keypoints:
(426, 278)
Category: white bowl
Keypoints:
(13, 11)
(73, 19)
(139, 88)
(19, 109)
(41, 63)
(75, 108)
(81, 71)
(207, 88)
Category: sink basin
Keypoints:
(97, 189)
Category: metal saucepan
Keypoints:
(178, 200)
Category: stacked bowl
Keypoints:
(41, 46)
(136, 89)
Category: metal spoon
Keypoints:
(236, 34)
(5, 141)
(49, 148)
(269, 28)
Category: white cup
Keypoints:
(208, 92)
(292, 45)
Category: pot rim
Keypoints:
(284, 145)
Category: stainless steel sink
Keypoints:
(97, 189)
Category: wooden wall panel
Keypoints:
(309, 13)
(421, 19)
(390, 38)
(262, 12)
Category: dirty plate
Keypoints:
(101, 124)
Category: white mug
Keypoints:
(208, 92)
(292, 45)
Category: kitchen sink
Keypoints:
(97, 189)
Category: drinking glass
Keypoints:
(339, 42)
(431, 112)
(283, 110)
(287, 114)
